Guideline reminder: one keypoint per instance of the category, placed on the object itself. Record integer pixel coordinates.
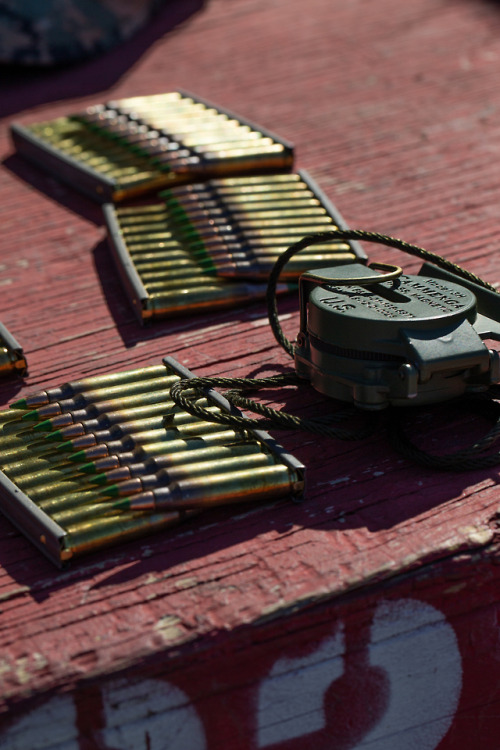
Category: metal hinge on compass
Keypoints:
(416, 339)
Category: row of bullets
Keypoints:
(231, 209)
(178, 132)
(112, 456)
(232, 206)
(238, 226)
(138, 144)
(89, 150)
(202, 242)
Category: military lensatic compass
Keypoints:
(377, 338)
(410, 339)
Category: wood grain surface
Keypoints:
(394, 109)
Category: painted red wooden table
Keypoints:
(367, 617)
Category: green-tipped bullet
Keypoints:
(113, 490)
(68, 390)
(98, 479)
(259, 483)
(22, 403)
(32, 416)
(125, 503)
(64, 447)
(45, 426)
(84, 455)
(53, 437)
(88, 468)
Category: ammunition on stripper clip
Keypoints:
(220, 228)
(125, 148)
(83, 498)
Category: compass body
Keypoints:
(416, 339)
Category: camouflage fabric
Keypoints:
(51, 32)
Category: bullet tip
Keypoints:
(20, 404)
(77, 457)
(52, 437)
(123, 504)
(112, 491)
(30, 416)
(89, 468)
(98, 478)
(44, 426)
(65, 447)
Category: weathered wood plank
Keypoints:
(368, 616)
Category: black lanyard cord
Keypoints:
(391, 419)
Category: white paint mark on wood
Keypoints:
(168, 628)
(418, 648)
(150, 715)
(411, 641)
(51, 726)
(479, 536)
(415, 646)
(340, 480)
(290, 700)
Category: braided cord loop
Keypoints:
(463, 460)
(467, 459)
(272, 417)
